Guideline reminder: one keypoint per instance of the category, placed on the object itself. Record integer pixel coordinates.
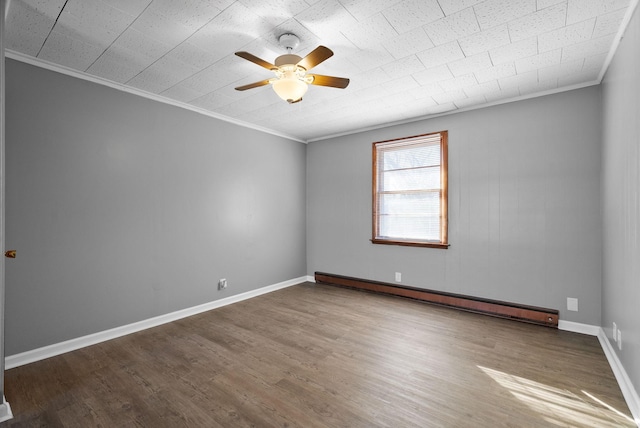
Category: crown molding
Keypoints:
(27, 59)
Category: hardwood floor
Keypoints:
(322, 356)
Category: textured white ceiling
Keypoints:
(406, 59)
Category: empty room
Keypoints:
(320, 213)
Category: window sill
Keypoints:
(410, 243)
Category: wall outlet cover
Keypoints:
(572, 304)
(615, 332)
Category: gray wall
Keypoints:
(525, 222)
(122, 208)
(621, 200)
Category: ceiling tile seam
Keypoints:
(234, 83)
(426, 33)
(538, 40)
(382, 44)
(444, 15)
(193, 100)
(119, 35)
(488, 52)
(593, 29)
(475, 15)
(466, 109)
(307, 28)
(127, 12)
(348, 11)
(414, 79)
(158, 59)
(205, 68)
(500, 85)
(421, 61)
(451, 72)
(52, 27)
(573, 43)
(175, 47)
(356, 44)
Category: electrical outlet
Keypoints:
(572, 304)
(398, 277)
(615, 332)
(619, 339)
(222, 284)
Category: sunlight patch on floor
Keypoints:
(613, 409)
(559, 406)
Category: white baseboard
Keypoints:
(576, 327)
(629, 392)
(38, 354)
(311, 278)
(5, 411)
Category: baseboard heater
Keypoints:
(514, 311)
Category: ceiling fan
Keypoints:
(291, 70)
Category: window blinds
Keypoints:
(409, 188)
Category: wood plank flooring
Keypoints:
(323, 356)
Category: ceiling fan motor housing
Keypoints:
(288, 59)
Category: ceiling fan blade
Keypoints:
(315, 57)
(253, 85)
(254, 59)
(334, 82)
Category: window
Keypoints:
(410, 191)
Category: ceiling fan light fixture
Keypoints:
(290, 88)
(290, 84)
